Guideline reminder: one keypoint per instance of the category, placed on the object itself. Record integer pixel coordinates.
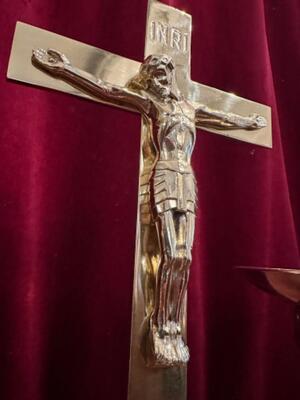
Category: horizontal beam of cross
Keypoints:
(118, 70)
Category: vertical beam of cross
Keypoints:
(168, 31)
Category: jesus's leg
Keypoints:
(175, 232)
(180, 276)
(164, 351)
(185, 247)
(167, 239)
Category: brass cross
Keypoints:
(172, 107)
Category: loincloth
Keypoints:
(144, 193)
(174, 187)
(171, 186)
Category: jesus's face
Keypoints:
(161, 81)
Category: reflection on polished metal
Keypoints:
(281, 281)
(278, 281)
(172, 106)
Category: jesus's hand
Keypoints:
(51, 60)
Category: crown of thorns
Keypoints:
(152, 62)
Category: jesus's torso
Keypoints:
(174, 131)
(173, 134)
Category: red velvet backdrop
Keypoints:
(68, 189)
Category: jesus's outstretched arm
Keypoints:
(207, 117)
(58, 65)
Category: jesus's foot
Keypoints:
(167, 346)
(182, 350)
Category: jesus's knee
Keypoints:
(183, 257)
(170, 257)
(167, 264)
(180, 258)
(184, 253)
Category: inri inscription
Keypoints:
(169, 36)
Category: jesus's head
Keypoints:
(156, 75)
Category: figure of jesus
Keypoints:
(172, 121)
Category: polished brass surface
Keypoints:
(281, 281)
(172, 106)
(111, 68)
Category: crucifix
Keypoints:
(172, 106)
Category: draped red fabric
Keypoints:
(68, 194)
